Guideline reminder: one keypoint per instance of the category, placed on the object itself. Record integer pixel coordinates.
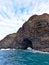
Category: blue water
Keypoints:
(23, 57)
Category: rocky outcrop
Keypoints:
(8, 41)
(34, 33)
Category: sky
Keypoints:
(13, 13)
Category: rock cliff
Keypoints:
(8, 41)
(34, 33)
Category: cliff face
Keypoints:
(34, 33)
(8, 41)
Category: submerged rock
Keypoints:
(34, 33)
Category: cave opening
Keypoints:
(27, 43)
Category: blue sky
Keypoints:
(13, 13)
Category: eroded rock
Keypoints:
(34, 33)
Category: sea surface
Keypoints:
(23, 57)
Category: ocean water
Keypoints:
(23, 57)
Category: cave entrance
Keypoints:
(27, 43)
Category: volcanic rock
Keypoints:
(34, 33)
(8, 41)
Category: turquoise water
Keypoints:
(23, 57)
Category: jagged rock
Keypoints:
(34, 33)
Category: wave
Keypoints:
(28, 49)
(36, 51)
(7, 49)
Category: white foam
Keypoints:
(36, 51)
(7, 49)
(29, 48)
